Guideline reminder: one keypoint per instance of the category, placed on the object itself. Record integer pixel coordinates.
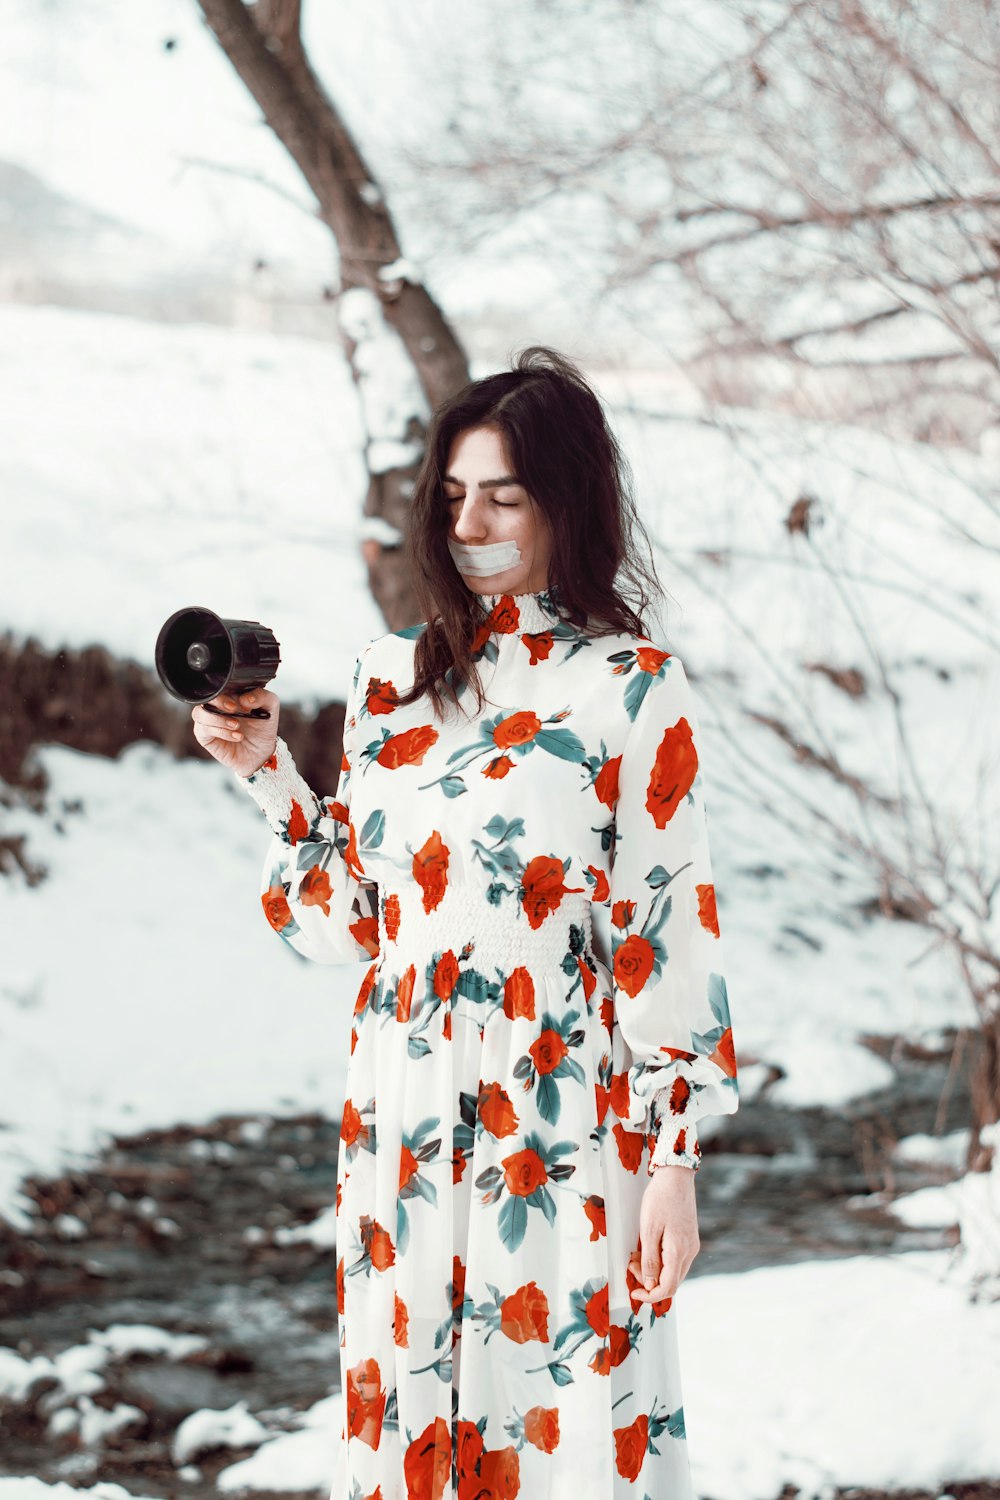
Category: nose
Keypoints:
(469, 525)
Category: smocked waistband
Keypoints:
(488, 934)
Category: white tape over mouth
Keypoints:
(491, 557)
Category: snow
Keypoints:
(979, 1219)
(321, 1231)
(293, 1461)
(19, 1376)
(24, 1488)
(939, 1150)
(873, 1371)
(236, 1427)
(817, 1374)
(119, 1026)
(144, 1338)
(181, 471)
(94, 1423)
(308, 1458)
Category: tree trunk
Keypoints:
(395, 336)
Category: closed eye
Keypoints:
(503, 504)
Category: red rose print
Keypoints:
(680, 1093)
(505, 616)
(401, 1322)
(446, 975)
(500, 1474)
(619, 1094)
(379, 1244)
(524, 1172)
(707, 914)
(297, 825)
(606, 781)
(497, 1112)
(430, 870)
(517, 729)
(543, 888)
(365, 933)
(427, 1462)
(602, 1100)
(630, 1144)
(622, 913)
(404, 993)
(633, 963)
(673, 773)
(315, 889)
(350, 1124)
(407, 748)
(548, 1051)
(630, 1447)
(541, 1427)
(276, 908)
(469, 1446)
(539, 644)
(596, 1312)
(408, 1165)
(650, 660)
(365, 1402)
(519, 995)
(458, 1285)
(619, 1344)
(724, 1054)
(594, 1209)
(364, 991)
(380, 697)
(525, 1315)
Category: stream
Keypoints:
(187, 1229)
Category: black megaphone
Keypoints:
(199, 655)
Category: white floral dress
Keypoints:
(541, 1020)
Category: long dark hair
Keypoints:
(562, 449)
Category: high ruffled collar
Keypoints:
(516, 614)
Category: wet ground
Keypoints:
(185, 1229)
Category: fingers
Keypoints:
(230, 701)
(659, 1276)
(220, 729)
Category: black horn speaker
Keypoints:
(200, 655)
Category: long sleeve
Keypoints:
(669, 988)
(313, 887)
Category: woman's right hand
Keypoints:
(241, 744)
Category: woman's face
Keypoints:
(488, 505)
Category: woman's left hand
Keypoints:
(668, 1234)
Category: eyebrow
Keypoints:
(485, 484)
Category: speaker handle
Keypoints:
(234, 713)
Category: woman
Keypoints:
(518, 840)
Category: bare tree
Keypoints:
(403, 355)
(817, 182)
